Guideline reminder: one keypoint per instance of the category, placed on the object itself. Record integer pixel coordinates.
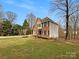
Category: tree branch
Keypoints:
(73, 12)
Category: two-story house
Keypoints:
(46, 28)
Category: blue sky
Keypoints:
(40, 8)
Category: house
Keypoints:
(46, 28)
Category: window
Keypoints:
(39, 25)
(45, 24)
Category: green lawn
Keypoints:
(31, 48)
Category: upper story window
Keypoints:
(45, 24)
(39, 25)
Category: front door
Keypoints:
(40, 32)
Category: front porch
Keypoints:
(42, 34)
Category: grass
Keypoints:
(31, 48)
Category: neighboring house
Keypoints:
(46, 28)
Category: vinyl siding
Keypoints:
(53, 30)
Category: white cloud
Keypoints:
(28, 1)
(27, 6)
(10, 1)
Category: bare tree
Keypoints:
(74, 20)
(11, 16)
(1, 12)
(66, 8)
(31, 19)
(77, 17)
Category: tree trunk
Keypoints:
(67, 20)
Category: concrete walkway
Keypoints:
(10, 36)
(20, 36)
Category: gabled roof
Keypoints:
(46, 19)
(38, 21)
